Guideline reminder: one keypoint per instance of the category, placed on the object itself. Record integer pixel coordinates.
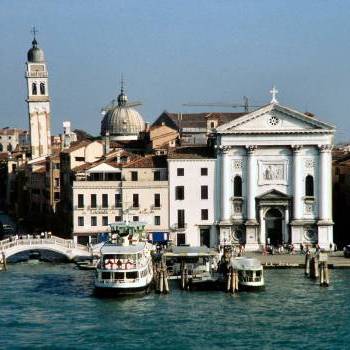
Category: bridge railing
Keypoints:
(4, 241)
(53, 240)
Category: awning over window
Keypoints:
(158, 237)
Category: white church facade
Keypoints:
(273, 179)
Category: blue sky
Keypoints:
(172, 52)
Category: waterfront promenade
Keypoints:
(336, 260)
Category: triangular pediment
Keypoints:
(103, 167)
(274, 118)
(273, 194)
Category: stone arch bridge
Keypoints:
(66, 247)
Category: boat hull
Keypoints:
(250, 287)
(110, 292)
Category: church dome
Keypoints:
(122, 122)
(35, 54)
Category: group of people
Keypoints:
(119, 264)
(278, 249)
(41, 235)
(289, 248)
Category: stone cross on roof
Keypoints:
(274, 92)
(34, 31)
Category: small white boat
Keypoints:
(125, 266)
(87, 265)
(250, 273)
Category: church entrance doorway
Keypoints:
(273, 226)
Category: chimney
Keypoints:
(66, 127)
(66, 137)
(107, 143)
(309, 114)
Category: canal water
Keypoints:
(52, 306)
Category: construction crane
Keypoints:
(244, 105)
(114, 103)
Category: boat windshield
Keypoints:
(121, 256)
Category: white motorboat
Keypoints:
(250, 273)
(125, 265)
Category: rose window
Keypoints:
(273, 120)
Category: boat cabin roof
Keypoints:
(109, 248)
(243, 263)
(191, 251)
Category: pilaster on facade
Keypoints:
(297, 183)
(325, 185)
(252, 185)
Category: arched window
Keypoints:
(237, 186)
(1, 147)
(42, 88)
(34, 89)
(9, 147)
(309, 186)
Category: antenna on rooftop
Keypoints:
(245, 105)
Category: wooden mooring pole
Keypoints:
(317, 267)
(307, 264)
(232, 280)
(4, 264)
(314, 267)
(324, 274)
(161, 279)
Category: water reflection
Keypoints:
(47, 304)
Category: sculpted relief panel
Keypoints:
(272, 172)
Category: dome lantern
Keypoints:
(35, 54)
(121, 121)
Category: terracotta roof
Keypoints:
(342, 158)
(11, 131)
(224, 118)
(82, 167)
(130, 144)
(112, 160)
(151, 161)
(194, 120)
(4, 156)
(191, 152)
(78, 144)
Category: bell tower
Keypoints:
(38, 101)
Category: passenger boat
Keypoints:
(125, 264)
(250, 273)
(195, 267)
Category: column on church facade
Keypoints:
(226, 185)
(325, 183)
(286, 224)
(297, 183)
(252, 181)
(262, 226)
